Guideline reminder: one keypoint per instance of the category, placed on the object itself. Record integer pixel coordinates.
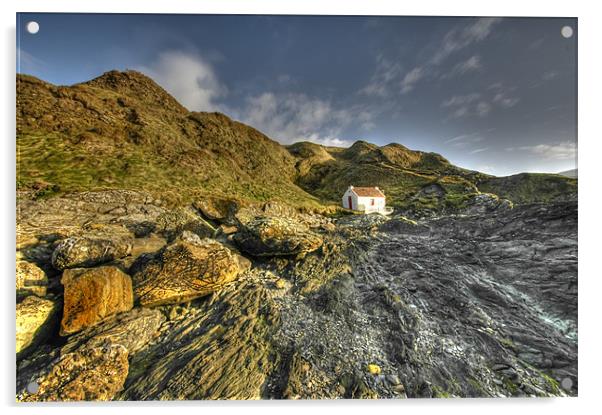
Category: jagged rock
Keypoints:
(170, 224)
(77, 252)
(35, 321)
(132, 330)
(486, 202)
(183, 271)
(272, 236)
(93, 294)
(88, 374)
(404, 225)
(30, 279)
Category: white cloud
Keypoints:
(189, 78)
(471, 64)
(366, 120)
(464, 139)
(480, 105)
(285, 117)
(293, 117)
(505, 101)
(478, 150)
(483, 108)
(462, 37)
(460, 112)
(457, 100)
(385, 72)
(549, 75)
(408, 81)
(503, 95)
(565, 150)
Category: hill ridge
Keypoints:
(123, 130)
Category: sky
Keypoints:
(498, 95)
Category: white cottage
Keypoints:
(366, 199)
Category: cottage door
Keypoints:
(350, 205)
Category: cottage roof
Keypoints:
(368, 191)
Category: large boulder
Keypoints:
(171, 224)
(89, 251)
(216, 208)
(91, 295)
(35, 321)
(30, 279)
(187, 269)
(89, 374)
(271, 236)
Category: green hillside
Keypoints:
(122, 130)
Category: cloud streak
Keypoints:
(565, 150)
(389, 77)
(471, 64)
(463, 36)
(481, 104)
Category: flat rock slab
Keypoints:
(84, 251)
(91, 295)
(185, 270)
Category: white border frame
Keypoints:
(590, 151)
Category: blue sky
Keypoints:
(491, 94)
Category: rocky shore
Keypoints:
(121, 297)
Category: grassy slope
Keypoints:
(123, 131)
(530, 187)
(402, 173)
